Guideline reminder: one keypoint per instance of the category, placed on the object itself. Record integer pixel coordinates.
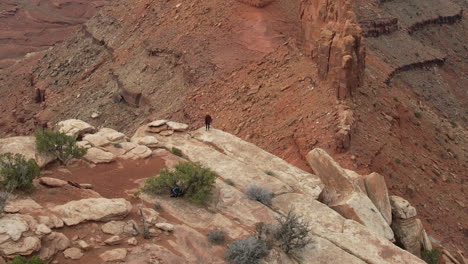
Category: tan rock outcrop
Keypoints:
(112, 255)
(75, 127)
(73, 253)
(95, 155)
(52, 182)
(25, 146)
(52, 244)
(377, 191)
(332, 37)
(408, 229)
(343, 195)
(93, 209)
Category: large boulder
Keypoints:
(18, 235)
(25, 146)
(93, 209)
(343, 194)
(52, 244)
(75, 127)
(408, 229)
(95, 155)
(377, 191)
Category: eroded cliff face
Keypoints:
(334, 40)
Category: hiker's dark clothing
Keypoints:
(208, 121)
(176, 192)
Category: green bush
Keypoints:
(430, 256)
(177, 152)
(292, 232)
(62, 146)
(4, 197)
(196, 182)
(17, 172)
(260, 194)
(216, 236)
(246, 251)
(23, 260)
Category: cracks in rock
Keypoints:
(345, 249)
(329, 53)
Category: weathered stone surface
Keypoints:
(425, 241)
(132, 241)
(52, 221)
(165, 226)
(337, 185)
(157, 123)
(139, 152)
(113, 227)
(346, 197)
(96, 140)
(83, 245)
(118, 254)
(52, 244)
(378, 193)
(25, 146)
(83, 144)
(177, 126)
(21, 206)
(25, 246)
(142, 253)
(13, 226)
(52, 182)
(111, 135)
(96, 155)
(75, 127)
(148, 141)
(113, 240)
(93, 209)
(401, 208)
(42, 229)
(348, 235)
(73, 253)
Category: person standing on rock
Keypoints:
(208, 121)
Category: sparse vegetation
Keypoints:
(430, 256)
(397, 161)
(269, 173)
(216, 236)
(23, 260)
(246, 251)
(17, 172)
(418, 114)
(292, 233)
(177, 152)
(60, 145)
(454, 125)
(4, 197)
(260, 194)
(229, 182)
(195, 182)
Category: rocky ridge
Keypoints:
(339, 235)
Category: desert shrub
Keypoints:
(195, 182)
(229, 182)
(216, 236)
(246, 251)
(418, 114)
(430, 256)
(292, 232)
(4, 197)
(260, 194)
(17, 172)
(60, 145)
(269, 173)
(177, 152)
(23, 260)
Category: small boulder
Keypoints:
(93, 209)
(42, 229)
(95, 155)
(113, 240)
(165, 226)
(118, 254)
(83, 245)
(157, 123)
(52, 244)
(51, 221)
(401, 208)
(166, 133)
(73, 253)
(132, 241)
(75, 127)
(96, 140)
(148, 141)
(177, 126)
(21, 206)
(52, 182)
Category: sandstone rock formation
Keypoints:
(25, 146)
(344, 196)
(75, 127)
(94, 209)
